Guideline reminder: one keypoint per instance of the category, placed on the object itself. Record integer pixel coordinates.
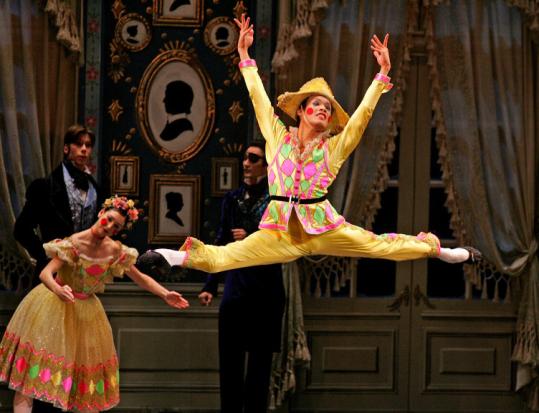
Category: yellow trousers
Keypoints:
(271, 247)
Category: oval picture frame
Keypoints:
(175, 105)
(221, 35)
(133, 32)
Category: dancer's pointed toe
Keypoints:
(475, 255)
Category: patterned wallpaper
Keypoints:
(164, 94)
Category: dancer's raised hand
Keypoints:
(381, 53)
(246, 36)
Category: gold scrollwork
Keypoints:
(118, 61)
(235, 111)
(115, 110)
(239, 9)
(118, 8)
(179, 68)
(234, 73)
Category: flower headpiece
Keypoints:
(124, 205)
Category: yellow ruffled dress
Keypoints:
(63, 353)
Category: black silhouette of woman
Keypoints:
(174, 205)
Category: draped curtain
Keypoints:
(38, 85)
(485, 75)
(482, 57)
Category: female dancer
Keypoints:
(58, 346)
(302, 164)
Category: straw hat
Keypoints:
(289, 102)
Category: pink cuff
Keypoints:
(247, 63)
(384, 79)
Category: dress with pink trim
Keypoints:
(63, 353)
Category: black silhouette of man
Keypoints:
(174, 205)
(178, 100)
(132, 31)
(178, 3)
(221, 35)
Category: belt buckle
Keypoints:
(293, 200)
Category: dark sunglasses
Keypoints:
(252, 157)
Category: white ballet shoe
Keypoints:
(468, 255)
(173, 257)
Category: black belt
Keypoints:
(296, 200)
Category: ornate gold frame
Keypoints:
(160, 20)
(184, 55)
(207, 35)
(156, 182)
(118, 31)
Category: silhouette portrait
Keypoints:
(175, 106)
(132, 32)
(221, 35)
(125, 177)
(178, 100)
(174, 205)
(178, 3)
(124, 174)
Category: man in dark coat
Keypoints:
(64, 202)
(252, 306)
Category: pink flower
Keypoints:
(91, 121)
(91, 73)
(263, 32)
(93, 26)
(123, 204)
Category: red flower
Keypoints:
(93, 26)
(91, 121)
(263, 32)
(92, 73)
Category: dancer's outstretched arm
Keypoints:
(172, 298)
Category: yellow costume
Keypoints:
(299, 220)
(63, 353)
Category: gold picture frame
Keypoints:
(175, 104)
(174, 208)
(224, 175)
(133, 32)
(187, 13)
(124, 175)
(221, 35)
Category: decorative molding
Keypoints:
(115, 110)
(235, 111)
(92, 82)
